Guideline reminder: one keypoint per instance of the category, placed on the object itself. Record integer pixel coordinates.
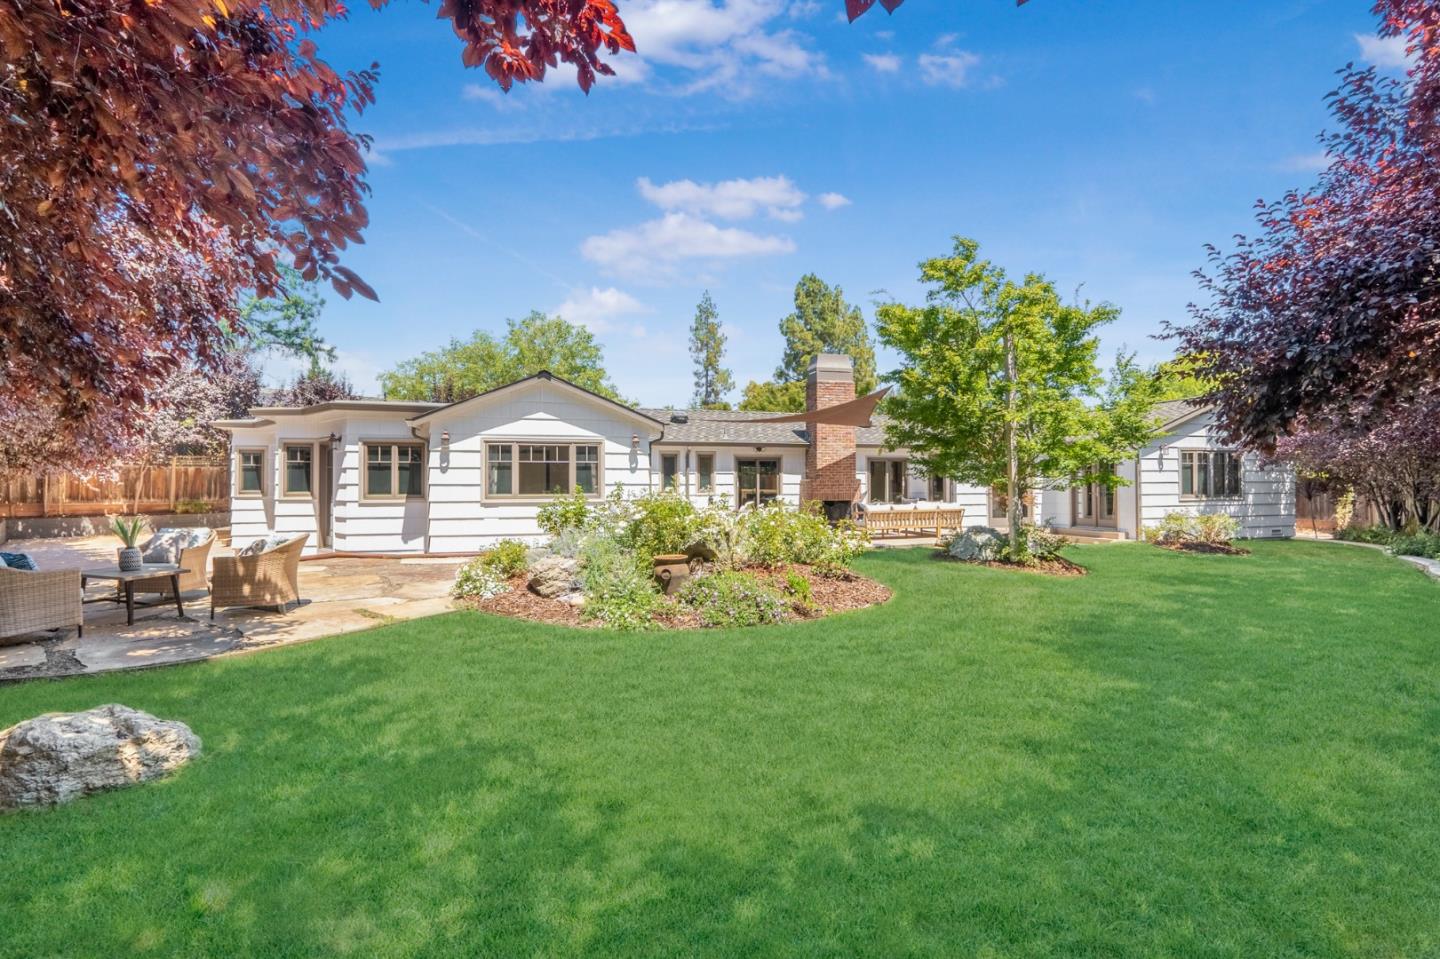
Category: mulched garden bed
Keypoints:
(828, 594)
(1214, 549)
(1059, 566)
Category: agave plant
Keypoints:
(128, 528)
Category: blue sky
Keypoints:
(750, 142)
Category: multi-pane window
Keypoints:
(250, 478)
(705, 472)
(537, 470)
(937, 489)
(669, 471)
(394, 470)
(298, 469)
(757, 482)
(1210, 474)
(887, 481)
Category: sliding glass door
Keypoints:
(887, 481)
(756, 482)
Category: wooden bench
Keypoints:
(920, 520)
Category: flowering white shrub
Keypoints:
(479, 579)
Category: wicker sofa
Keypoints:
(193, 559)
(268, 578)
(33, 601)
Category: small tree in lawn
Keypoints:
(707, 349)
(1002, 386)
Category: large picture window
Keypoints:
(394, 471)
(757, 482)
(250, 472)
(1209, 474)
(299, 469)
(538, 470)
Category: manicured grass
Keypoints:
(1177, 755)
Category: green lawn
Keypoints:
(1176, 755)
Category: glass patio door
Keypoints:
(757, 482)
(887, 481)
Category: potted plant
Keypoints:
(129, 529)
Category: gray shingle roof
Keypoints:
(727, 427)
(1171, 410)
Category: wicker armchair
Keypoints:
(271, 578)
(32, 601)
(192, 558)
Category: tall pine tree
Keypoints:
(822, 323)
(707, 348)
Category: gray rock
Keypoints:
(58, 757)
(977, 544)
(576, 599)
(554, 576)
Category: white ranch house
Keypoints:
(375, 476)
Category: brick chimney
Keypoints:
(830, 459)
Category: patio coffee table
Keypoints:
(126, 580)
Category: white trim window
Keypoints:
(705, 472)
(393, 471)
(1210, 474)
(250, 471)
(298, 477)
(669, 471)
(539, 470)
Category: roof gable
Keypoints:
(544, 376)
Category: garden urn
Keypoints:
(672, 570)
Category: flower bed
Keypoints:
(987, 546)
(751, 567)
(1211, 533)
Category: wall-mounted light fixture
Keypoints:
(335, 437)
(634, 442)
(445, 440)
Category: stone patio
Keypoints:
(340, 595)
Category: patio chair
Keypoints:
(193, 558)
(270, 577)
(32, 601)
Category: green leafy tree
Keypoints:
(821, 323)
(287, 321)
(707, 349)
(466, 368)
(1002, 386)
(1182, 379)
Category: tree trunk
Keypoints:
(1012, 466)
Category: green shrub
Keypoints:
(1043, 544)
(1419, 544)
(777, 534)
(567, 543)
(1374, 535)
(564, 513)
(478, 579)
(720, 531)
(1217, 529)
(192, 506)
(800, 592)
(619, 591)
(506, 557)
(734, 599)
(663, 522)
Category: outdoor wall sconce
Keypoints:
(634, 442)
(335, 437)
(445, 440)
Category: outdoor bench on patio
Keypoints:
(913, 520)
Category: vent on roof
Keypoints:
(679, 418)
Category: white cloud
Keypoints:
(491, 94)
(833, 201)
(882, 62)
(653, 249)
(598, 310)
(948, 69)
(804, 9)
(724, 44)
(1306, 163)
(1145, 95)
(729, 199)
(1387, 53)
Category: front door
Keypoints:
(325, 501)
(1094, 502)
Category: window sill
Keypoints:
(389, 500)
(502, 500)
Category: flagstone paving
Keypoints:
(340, 595)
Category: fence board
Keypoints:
(155, 488)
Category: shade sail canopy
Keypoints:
(857, 412)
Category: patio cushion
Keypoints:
(165, 546)
(265, 544)
(18, 561)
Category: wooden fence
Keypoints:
(189, 483)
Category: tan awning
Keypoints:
(857, 412)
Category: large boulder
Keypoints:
(554, 576)
(978, 544)
(58, 757)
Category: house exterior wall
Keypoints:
(792, 469)
(1265, 506)
(461, 519)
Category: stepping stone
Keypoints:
(21, 654)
